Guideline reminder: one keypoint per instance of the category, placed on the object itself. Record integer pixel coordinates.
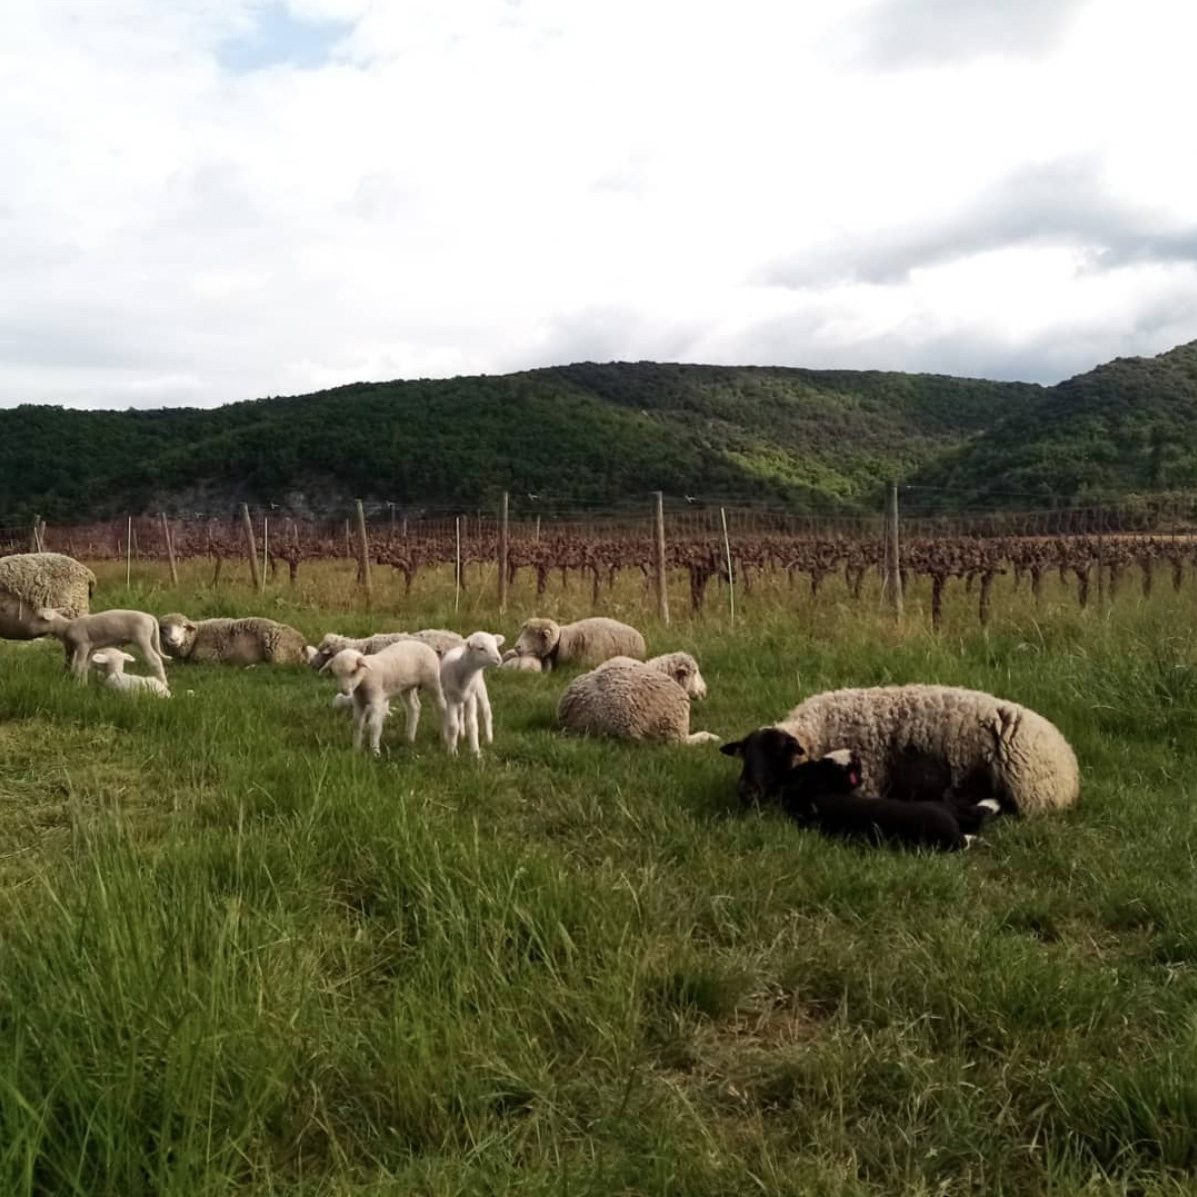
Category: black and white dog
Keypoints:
(822, 794)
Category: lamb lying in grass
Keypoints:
(403, 669)
(465, 688)
(113, 662)
(106, 629)
(823, 794)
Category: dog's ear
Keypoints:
(736, 748)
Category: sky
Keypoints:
(214, 200)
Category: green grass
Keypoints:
(236, 956)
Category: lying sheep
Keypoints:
(371, 681)
(436, 638)
(922, 741)
(113, 662)
(465, 688)
(636, 700)
(107, 629)
(232, 641)
(586, 642)
(30, 582)
(512, 660)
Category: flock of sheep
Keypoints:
(919, 764)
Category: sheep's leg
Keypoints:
(488, 724)
(452, 727)
(471, 723)
(152, 657)
(702, 738)
(359, 723)
(377, 712)
(411, 703)
(79, 658)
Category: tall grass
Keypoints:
(237, 957)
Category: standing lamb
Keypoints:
(107, 629)
(30, 582)
(370, 681)
(586, 642)
(232, 641)
(465, 688)
(113, 662)
(636, 700)
(920, 741)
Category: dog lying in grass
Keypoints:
(822, 794)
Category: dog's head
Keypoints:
(837, 772)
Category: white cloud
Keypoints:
(419, 189)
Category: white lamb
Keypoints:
(113, 662)
(106, 629)
(465, 688)
(403, 668)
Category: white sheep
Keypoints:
(106, 629)
(586, 642)
(31, 581)
(113, 662)
(245, 641)
(465, 688)
(436, 638)
(636, 700)
(919, 740)
(371, 681)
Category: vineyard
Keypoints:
(1097, 553)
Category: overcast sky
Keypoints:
(210, 200)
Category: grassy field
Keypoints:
(237, 957)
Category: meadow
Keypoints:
(237, 957)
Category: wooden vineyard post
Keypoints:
(265, 550)
(503, 554)
(731, 580)
(893, 566)
(35, 540)
(363, 554)
(170, 551)
(662, 591)
(247, 525)
(129, 553)
(457, 565)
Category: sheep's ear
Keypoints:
(500, 640)
(797, 755)
(324, 668)
(190, 626)
(46, 612)
(735, 748)
(100, 658)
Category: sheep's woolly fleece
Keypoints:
(586, 642)
(29, 581)
(1028, 761)
(235, 641)
(630, 700)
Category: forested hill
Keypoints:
(1127, 428)
(587, 433)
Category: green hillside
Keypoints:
(577, 434)
(607, 434)
(1129, 427)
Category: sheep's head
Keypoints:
(349, 667)
(177, 631)
(49, 620)
(837, 772)
(482, 650)
(683, 668)
(770, 756)
(538, 638)
(112, 659)
(324, 652)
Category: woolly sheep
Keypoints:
(465, 688)
(512, 660)
(371, 681)
(113, 662)
(30, 582)
(436, 638)
(107, 629)
(232, 641)
(919, 741)
(636, 700)
(586, 642)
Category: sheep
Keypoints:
(436, 638)
(232, 641)
(919, 741)
(465, 688)
(107, 629)
(113, 662)
(512, 660)
(371, 681)
(822, 793)
(636, 700)
(30, 582)
(586, 642)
